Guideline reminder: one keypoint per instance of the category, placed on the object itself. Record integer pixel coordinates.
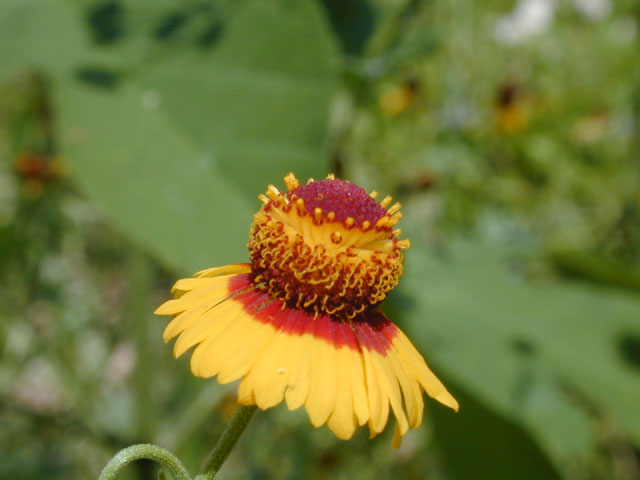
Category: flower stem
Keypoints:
(151, 452)
(227, 441)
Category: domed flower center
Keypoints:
(326, 246)
(342, 198)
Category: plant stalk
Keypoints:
(227, 441)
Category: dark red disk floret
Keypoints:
(341, 197)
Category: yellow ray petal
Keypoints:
(232, 269)
(209, 357)
(188, 284)
(171, 307)
(417, 367)
(208, 325)
(183, 321)
(268, 378)
(378, 400)
(355, 367)
(195, 298)
(342, 420)
(389, 388)
(397, 437)
(322, 387)
(298, 387)
(247, 351)
(410, 389)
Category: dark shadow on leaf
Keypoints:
(106, 22)
(100, 77)
(523, 346)
(353, 21)
(170, 25)
(210, 35)
(629, 348)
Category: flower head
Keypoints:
(326, 246)
(300, 321)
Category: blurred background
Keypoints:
(136, 135)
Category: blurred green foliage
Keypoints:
(135, 136)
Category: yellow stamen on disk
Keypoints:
(291, 182)
(326, 262)
(396, 206)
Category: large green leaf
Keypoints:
(38, 34)
(173, 136)
(534, 351)
(478, 444)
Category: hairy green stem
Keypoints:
(227, 441)
(144, 451)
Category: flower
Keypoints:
(399, 98)
(36, 171)
(300, 323)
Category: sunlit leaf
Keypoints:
(173, 138)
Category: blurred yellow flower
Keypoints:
(513, 109)
(300, 323)
(399, 98)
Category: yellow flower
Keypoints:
(300, 323)
(399, 98)
(513, 108)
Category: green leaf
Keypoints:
(478, 444)
(533, 351)
(174, 137)
(353, 21)
(153, 182)
(38, 34)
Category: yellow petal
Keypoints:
(269, 375)
(410, 389)
(233, 269)
(322, 387)
(188, 284)
(342, 420)
(417, 367)
(299, 377)
(397, 437)
(183, 321)
(209, 357)
(209, 324)
(247, 353)
(378, 400)
(358, 387)
(195, 298)
(390, 389)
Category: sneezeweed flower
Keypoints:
(301, 323)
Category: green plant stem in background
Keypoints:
(139, 308)
(229, 438)
(151, 452)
